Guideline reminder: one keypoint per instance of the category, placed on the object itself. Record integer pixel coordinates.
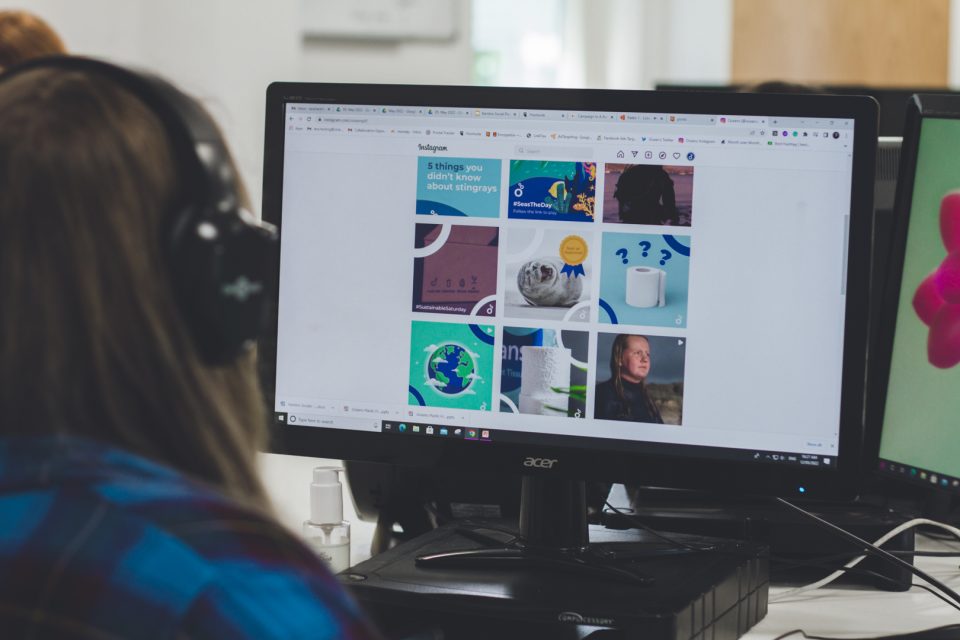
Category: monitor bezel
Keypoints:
(919, 107)
(693, 472)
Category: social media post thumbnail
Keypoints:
(648, 194)
(548, 274)
(458, 187)
(639, 378)
(548, 190)
(455, 269)
(451, 365)
(644, 279)
(544, 372)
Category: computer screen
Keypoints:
(892, 100)
(623, 279)
(920, 440)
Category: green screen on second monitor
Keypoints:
(921, 426)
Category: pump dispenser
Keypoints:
(326, 531)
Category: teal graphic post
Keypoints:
(548, 190)
(451, 365)
(458, 187)
(644, 279)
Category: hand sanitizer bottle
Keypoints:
(325, 531)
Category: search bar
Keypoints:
(550, 150)
(335, 422)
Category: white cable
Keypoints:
(886, 537)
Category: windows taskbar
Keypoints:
(411, 429)
(459, 432)
(917, 475)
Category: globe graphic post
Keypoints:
(451, 368)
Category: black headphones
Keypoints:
(219, 255)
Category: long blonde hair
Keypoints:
(616, 372)
(91, 342)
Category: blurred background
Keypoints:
(227, 51)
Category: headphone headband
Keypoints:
(218, 254)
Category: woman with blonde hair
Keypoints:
(625, 396)
(130, 506)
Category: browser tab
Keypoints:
(691, 119)
(592, 116)
(457, 113)
(496, 113)
(540, 115)
(749, 121)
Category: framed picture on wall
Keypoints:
(379, 19)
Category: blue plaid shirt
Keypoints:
(98, 543)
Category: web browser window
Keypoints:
(507, 274)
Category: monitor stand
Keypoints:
(555, 573)
(553, 534)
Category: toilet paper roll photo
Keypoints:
(646, 287)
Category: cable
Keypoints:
(882, 540)
(936, 593)
(870, 548)
(801, 561)
(940, 535)
(846, 568)
(876, 576)
(641, 525)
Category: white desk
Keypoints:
(840, 612)
(849, 612)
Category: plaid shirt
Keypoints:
(98, 543)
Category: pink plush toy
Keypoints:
(937, 300)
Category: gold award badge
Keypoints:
(573, 250)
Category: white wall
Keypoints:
(633, 44)
(410, 62)
(227, 51)
(699, 41)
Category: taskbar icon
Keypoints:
(436, 430)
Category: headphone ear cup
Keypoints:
(220, 263)
(221, 259)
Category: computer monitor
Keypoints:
(916, 374)
(892, 100)
(656, 288)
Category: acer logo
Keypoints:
(540, 463)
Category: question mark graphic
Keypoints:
(623, 255)
(664, 256)
(646, 247)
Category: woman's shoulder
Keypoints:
(132, 549)
(605, 388)
(258, 579)
(245, 600)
